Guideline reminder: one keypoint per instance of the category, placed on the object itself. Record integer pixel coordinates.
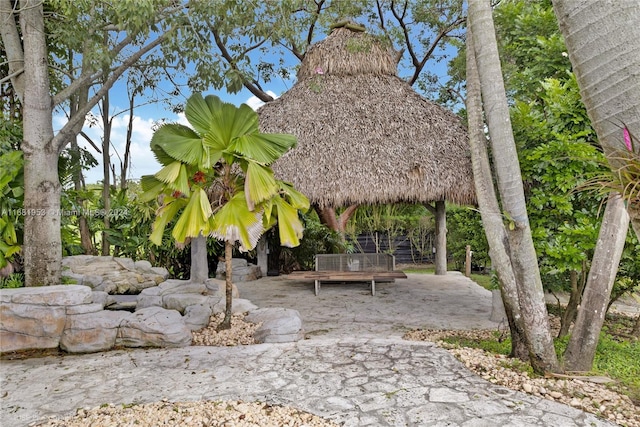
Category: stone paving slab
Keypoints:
(353, 367)
(425, 301)
(377, 382)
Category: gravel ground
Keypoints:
(580, 392)
(586, 393)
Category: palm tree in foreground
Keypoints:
(217, 181)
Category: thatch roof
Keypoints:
(364, 136)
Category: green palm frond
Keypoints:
(175, 176)
(289, 224)
(165, 214)
(259, 184)
(294, 197)
(180, 143)
(195, 217)
(198, 112)
(234, 222)
(151, 188)
(263, 148)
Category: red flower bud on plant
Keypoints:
(199, 177)
(176, 194)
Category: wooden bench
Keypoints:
(351, 268)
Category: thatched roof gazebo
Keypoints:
(364, 136)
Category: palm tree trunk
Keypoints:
(490, 209)
(228, 276)
(603, 42)
(584, 339)
(522, 252)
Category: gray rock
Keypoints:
(126, 263)
(107, 286)
(58, 295)
(99, 297)
(73, 278)
(197, 316)
(91, 332)
(241, 271)
(278, 325)
(26, 326)
(154, 327)
(162, 272)
(181, 301)
(145, 301)
(84, 308)
(238, 305)
(217, 287)
(144, 266)
(92, 280)
(181, 287)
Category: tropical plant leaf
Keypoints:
(165, 214)
(259, 184)
(234, 222)
(180, 143)
(175, 176)
(10, 167)
(195, 217)
(199, 113)
(9, 234)
(294, 197)
(289, 225)
(151, 187)
(263, 148)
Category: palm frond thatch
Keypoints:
(364, 136)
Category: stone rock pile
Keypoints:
(115, 276)
(242, 271)
(73, 317)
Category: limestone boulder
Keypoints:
(242, 271)
(180, 302)
(174, 286)
(30, 326)
(278, 325)
(238, 305)
(197, 316)
(154, 327)
(58, 295)
(91, 332)
(149, 297)
(218, 287)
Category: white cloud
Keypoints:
(254, 102)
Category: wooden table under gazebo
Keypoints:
(366, 137)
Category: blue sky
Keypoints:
(142, 160)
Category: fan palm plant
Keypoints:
(216, 181)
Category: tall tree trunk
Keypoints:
(603, 42)
(490, 209)
(124, 167)
(199, 260)
(571, 311)
(522, 252)
(42, 242)
(106, 171)
(584, 339)
(228, 280)
(75, 102)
